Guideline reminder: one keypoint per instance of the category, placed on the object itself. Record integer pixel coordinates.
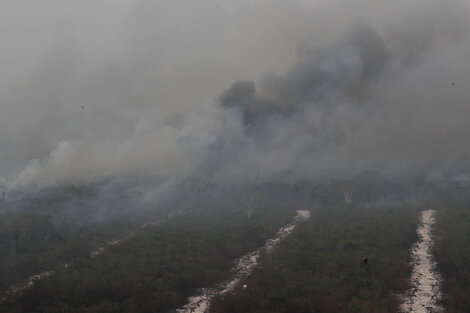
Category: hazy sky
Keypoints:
(237, 90)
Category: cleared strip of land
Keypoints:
(340, 260)
(244, 267)
(425, 292)
(157, 269)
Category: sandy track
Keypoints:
(425, 292)
(244, 266)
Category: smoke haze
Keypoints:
(240, 91)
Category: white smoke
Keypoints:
(94, 91)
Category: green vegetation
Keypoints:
(31, 243)
(156, 270)
(41, 231)
(319, 268)
(322, 268)
(452, 252)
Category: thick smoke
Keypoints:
(343, 70)
(130, 90)
(358, 105)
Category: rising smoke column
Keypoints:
(373, 87)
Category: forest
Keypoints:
(348, 257)
(452, 252)
(341, 260)
(155, 270)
